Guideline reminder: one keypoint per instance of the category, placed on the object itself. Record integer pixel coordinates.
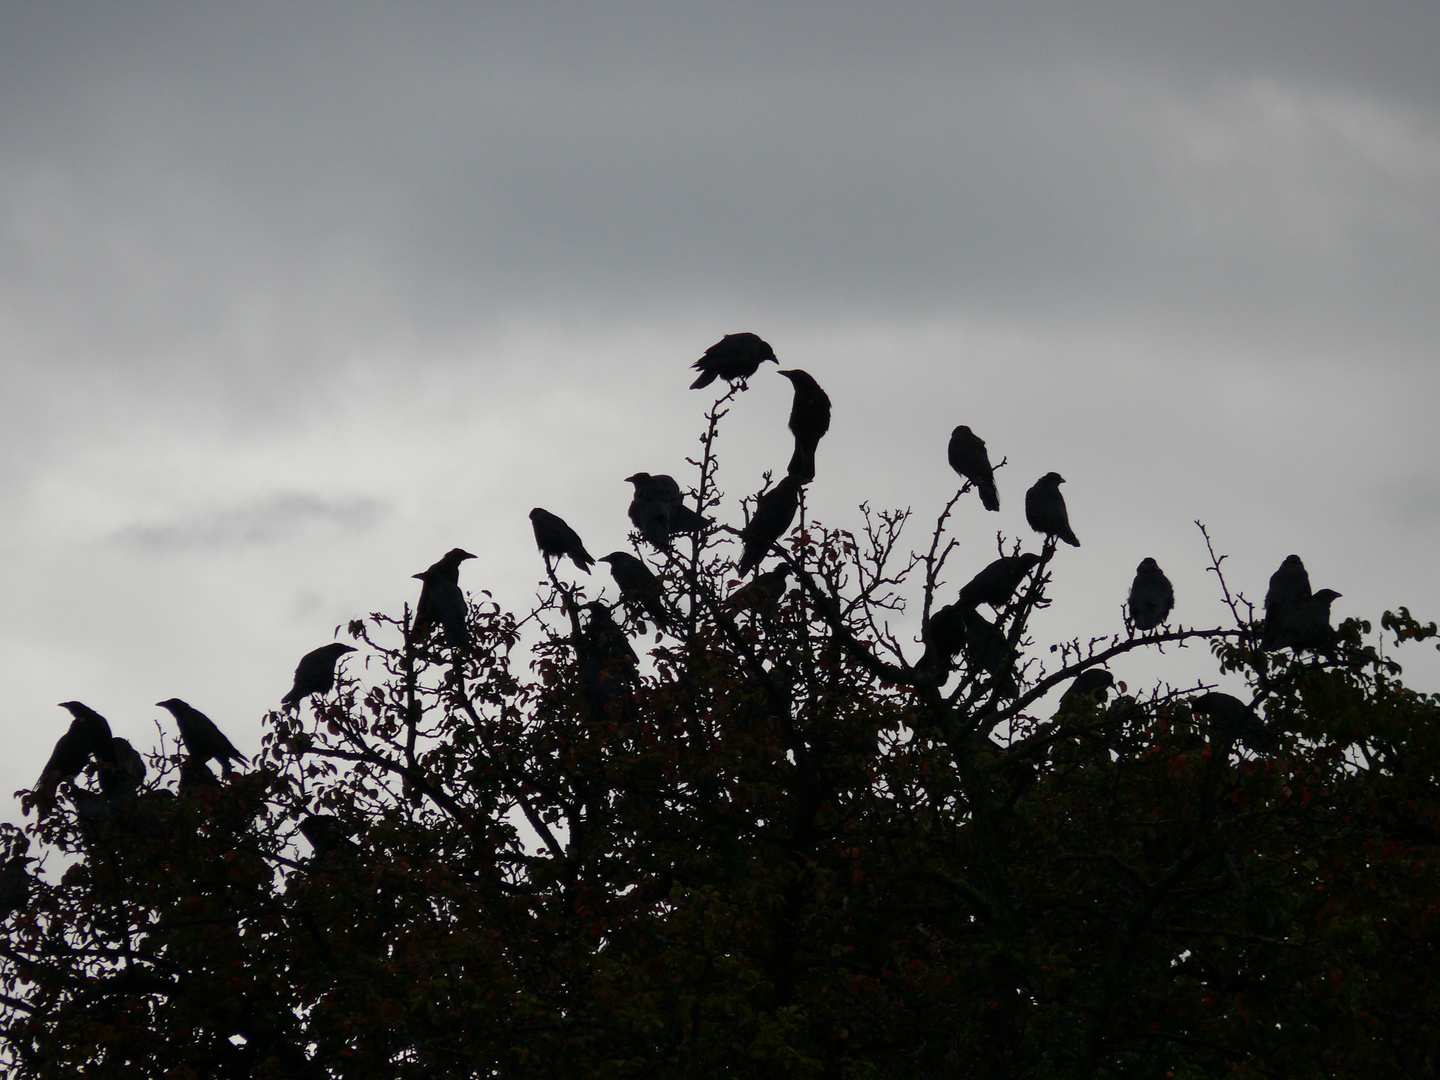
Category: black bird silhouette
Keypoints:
(555, 538)
(658, 511)
(969, 458)
(315, 674)
(638, 585)
(774, 511)
(987, 650)
(1289, 588)
(88, 735)
(203, 740)
(1307, 624)
(735, 356)
(607, 662)
(761, 591)
(1231, 719)
(326, 833)
(809, 421)
(441, 601)
(14, 885)
(1151, 596)
(121, 777)
(1091, 685)
(944, 637)
(996, 584)
(1045, 509)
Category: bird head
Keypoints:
(75, 708)
(173, 704)
(455, 556)
(1052, 479)
(338, 649)
(640, 479)
(1326, 596)
(1147, 564)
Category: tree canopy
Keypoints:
(784, 836)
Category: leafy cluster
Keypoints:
(785, 843)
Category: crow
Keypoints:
(325, 832)
(774, 511)
(944, 637)
(761, 592)
(1289, 587)
(554, 538)
(87, 736)
(14, 885)
(969, 458)
(658, 511)
(203, 740)
(121, 779)
(315, 674)
(1231, 719)
(1045, 509)
(638, 585)
(1307, 624)
(1151, 596)
(996, 584)
(1092, 685)
(987, 650)
(441, 601)
(607, 660)
(735, 356)
(809, 421)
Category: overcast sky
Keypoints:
(294, 298)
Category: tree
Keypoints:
(792, 842)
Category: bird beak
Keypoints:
(420, 576)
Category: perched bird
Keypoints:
(944, 638)
(441, 601)
(987, 650)
(1045, 509)
(607, 661)
(1289, 587)
(1151, 596)
(809, 421)
(14, 885)
(638, 585)
(1231, 719)
(315, 674)
(88, 735)
(96, 727)
(121, 778)
(1307, 624)
(774, 511)
(203, 740)
(658, 511)
(325, 832)
(555, 538)
(735, 356)
(761, 591)
(195, 776)
(996, 584)
(969, 458)
(1091, 685)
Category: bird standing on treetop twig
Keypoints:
(996, 584)
(203, 740)
(735, 356)
(315, 674)
(441, 601)
(774, 511)
(555, 538)
(969, 458)
(88, 735)
(809, 421)
(1045, 509)
(1151, 596)
(658, 511)
(638, 585)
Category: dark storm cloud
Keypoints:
(266, 520)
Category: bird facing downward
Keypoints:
(1045, 509)
(555, 538)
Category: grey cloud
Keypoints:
(262, 521)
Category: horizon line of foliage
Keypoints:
(781, 848)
